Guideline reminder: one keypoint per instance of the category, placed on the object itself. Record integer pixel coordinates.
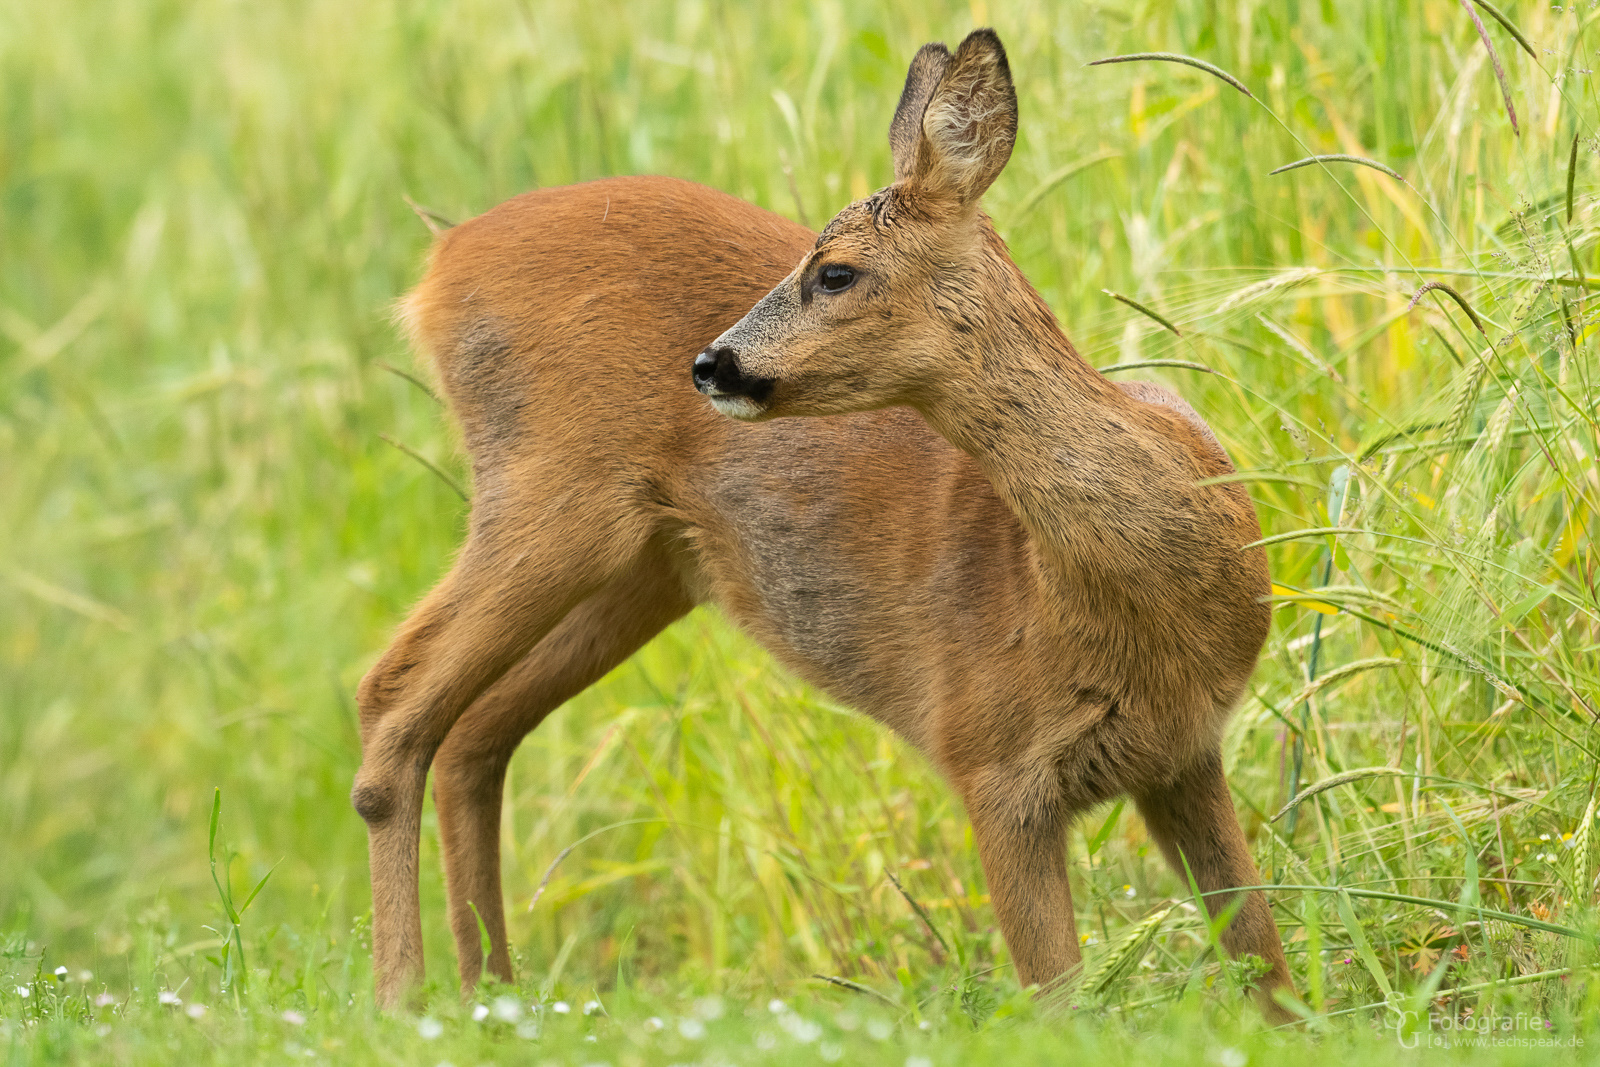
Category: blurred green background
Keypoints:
(205, 538)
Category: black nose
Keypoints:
(717, 373)
(705, 366)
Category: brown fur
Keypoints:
(1021, 576)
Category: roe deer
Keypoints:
(1017, 565)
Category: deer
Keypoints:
(876, 452)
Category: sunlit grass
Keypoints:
(206, 538)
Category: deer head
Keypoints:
(891, 305)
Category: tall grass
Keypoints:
(205, 537)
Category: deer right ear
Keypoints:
(969, 124)
(927, 67)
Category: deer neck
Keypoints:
(1101, 482)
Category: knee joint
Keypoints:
(373, 802)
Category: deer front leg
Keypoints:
(1193, 820)
(469, 771)
(1023, 849)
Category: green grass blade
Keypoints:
(1146, 312)
(259, 886)
(1572, 176)
(1510, 27)
(1173, 57)
(1050, 181)
(1339, 157)
(455, 486)
(1369, 958)
(1104, 833)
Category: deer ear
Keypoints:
(927, 67)
(969, 124)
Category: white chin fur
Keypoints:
(737, 407)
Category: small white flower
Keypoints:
(24, 992)
(776, 1006)
(104, 1000)
(429, 1027)
(1129, 892)
(1544, 837)
(692, 1028)
(561, 1007)
(1232, 1057)
(61, 974)
(168, 997)
(85, 977)
(879, 1029)
(293, 1018)
(924, 1025)
(507, 1009)
(195, 1011)
(654, 1024)
(480, 1012)
(591, 1006)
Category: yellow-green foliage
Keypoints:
(205, 539)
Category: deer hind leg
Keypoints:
(470, 769)
(521, 571)
(1193, 820)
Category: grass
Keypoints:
(206, 533)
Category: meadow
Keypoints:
(224, 480)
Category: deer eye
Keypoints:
(836, 278)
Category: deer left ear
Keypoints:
(969, 125)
